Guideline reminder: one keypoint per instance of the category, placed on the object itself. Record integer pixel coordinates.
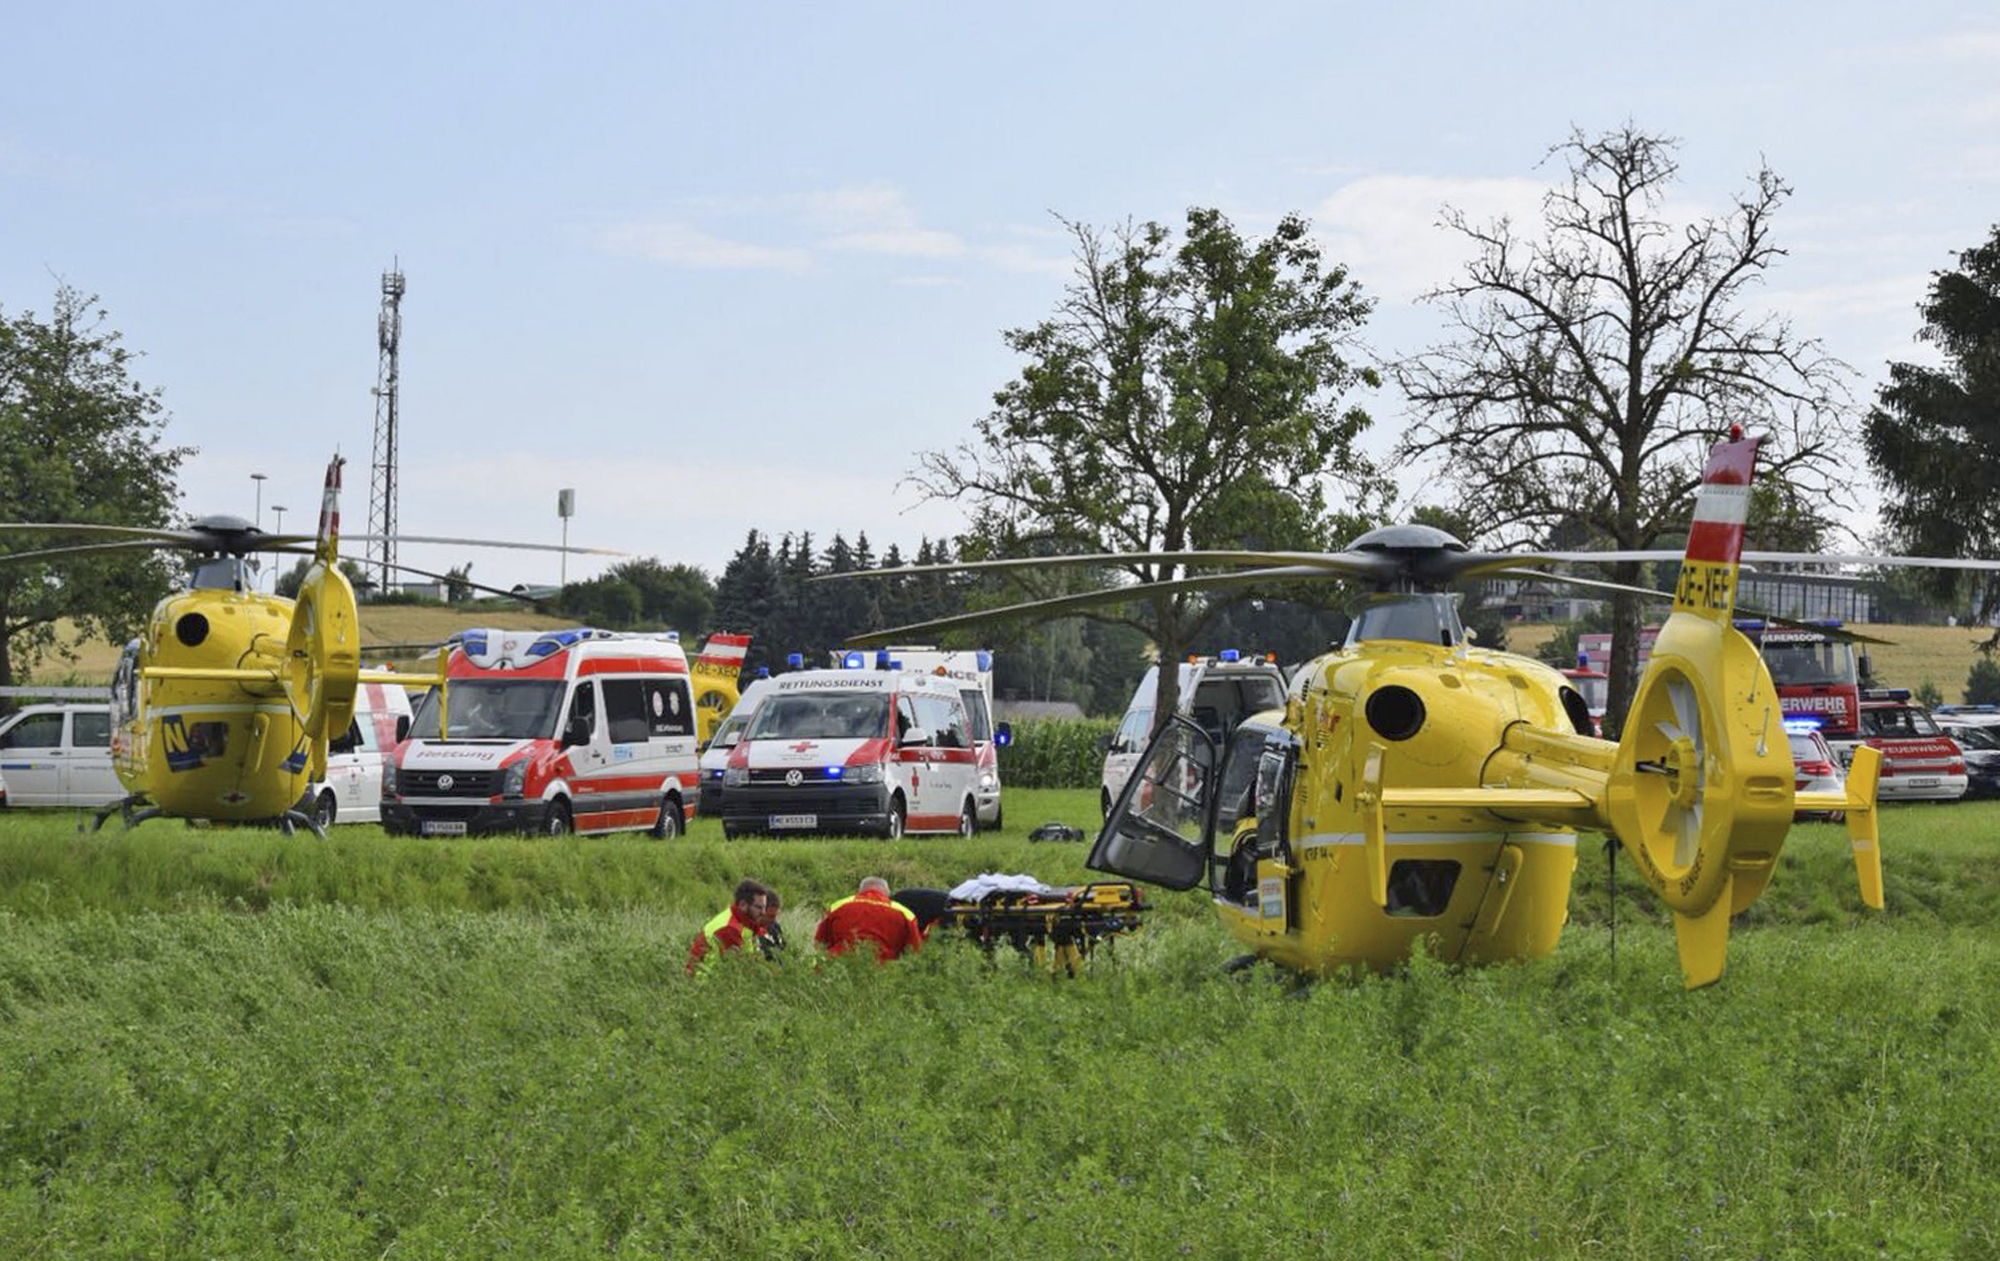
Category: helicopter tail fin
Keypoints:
(1701, 787)
(328, 547)
(1856, 800)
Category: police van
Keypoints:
(880, 752)
(572, 730)
(352, 789)
(972, 670)
(1217, 693)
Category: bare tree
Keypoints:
(1594, 363)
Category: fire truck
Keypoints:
(1814, 671)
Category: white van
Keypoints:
(558, 731)
(1217, 693)
(972, 670)
(879, 752)
(715, 754)
(59, 755)
(352, 791)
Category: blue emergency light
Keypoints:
(673, 637)
(882, 659)
(1003, 737)
(796, 661)
(833, 772)
(763, 672)
(985, 661)
(1582, 660)
(1228, 654)
(854, 661)
(1803, 724)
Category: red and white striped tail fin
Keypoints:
(328, 549)
(1707, 586)
(723, 654)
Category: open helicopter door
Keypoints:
(1162, 826)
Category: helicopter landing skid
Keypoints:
(123, 809)
(292, 820)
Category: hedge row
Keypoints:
(1056, 753)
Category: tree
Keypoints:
(1181, 396)
(288, 583)
(80, 441)
(1934, 435)
(1592, 366)
(1982, 682)
(458, 584)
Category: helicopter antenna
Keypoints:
(383, 474)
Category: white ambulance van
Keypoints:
(879, 752)
(558, 731)
(715, 754)
(352, 790)
(58, 755)
(972, 670)
(1217, 693)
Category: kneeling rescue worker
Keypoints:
(734, 929)
(870, 915)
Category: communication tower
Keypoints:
(382, 476)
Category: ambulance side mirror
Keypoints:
(576, 732)
(1003, 734)
(402, 727)
(915, 735)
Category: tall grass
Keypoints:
(363, 1060)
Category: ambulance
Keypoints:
(555, 732)
(352, 789)
(867, 752)
(1216, 692)
(972, 671)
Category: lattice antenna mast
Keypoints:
(382, 477)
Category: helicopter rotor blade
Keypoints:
(1328, 564)
(1091, 599)
(523, 547)
(93, 549)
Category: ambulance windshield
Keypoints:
(826, 716)
(492, 709)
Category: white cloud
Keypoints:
(684, 245)
(1897, 294)
(902, 242)
(1385, 228)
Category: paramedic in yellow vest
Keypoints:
(732, 929)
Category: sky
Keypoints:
(736, 266)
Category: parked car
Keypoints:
(59, 755)
(1818, 769)
(1919, 761)
(1979, 739)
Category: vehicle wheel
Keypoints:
(893, 829)
(556, 822)
(670, 824)
(968, 819)
(324, 810)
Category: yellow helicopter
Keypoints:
(221, 709)
(1418, 789)
(716, 673)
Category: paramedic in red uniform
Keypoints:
(734, 929)
(869, 916)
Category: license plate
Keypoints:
(1930, 782)
(444, 827)
(794, 820)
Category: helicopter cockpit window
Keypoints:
(1235, 798)
(1422, 618)
(493, 709)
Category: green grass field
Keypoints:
(238, 1044)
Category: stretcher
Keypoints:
(1055, 927)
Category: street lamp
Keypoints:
(278, 511)
(258, 519)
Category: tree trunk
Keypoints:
(1627, 625)
(1167, 687)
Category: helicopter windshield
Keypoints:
(492, 709)
(1427, 618)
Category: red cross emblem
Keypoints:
(803, 746)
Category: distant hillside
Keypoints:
(1941, 654)
(380, 624)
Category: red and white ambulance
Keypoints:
(879, 752)
(971, 669)
(558, 731)
(1920, 762)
